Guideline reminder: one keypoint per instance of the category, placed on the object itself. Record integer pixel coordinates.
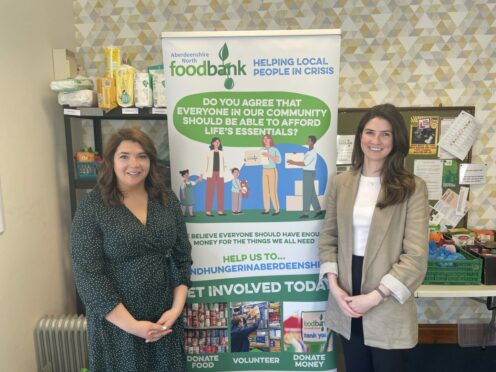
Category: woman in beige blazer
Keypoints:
(214, 173)
(373, 246)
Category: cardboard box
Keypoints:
(295, 202)
(64, 64)
(299, 187)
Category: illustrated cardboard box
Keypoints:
(299, 187)
(295, 202)
(295, 156)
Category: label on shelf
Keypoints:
(72, 112)
(159, 110)
(130, 111)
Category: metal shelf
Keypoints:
(96, 116)
(84, 184)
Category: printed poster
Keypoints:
(424, 131)
(450, 173)
(240, 105)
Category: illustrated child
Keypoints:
(187, 194)
(236, 192)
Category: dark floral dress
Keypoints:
(117, 259)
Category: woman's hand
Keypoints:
(169, 318)
(165, 324)
(363, 303)
(149, 331)
(340, 296)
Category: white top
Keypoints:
(366, 199)
(310, 159)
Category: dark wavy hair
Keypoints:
(398, 182)
(107, 180)
(212, 143)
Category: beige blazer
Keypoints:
(209, 164)
(396, 256)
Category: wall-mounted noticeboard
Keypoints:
(425, 126)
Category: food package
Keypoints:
(105, 88)
(124, 84)
(484, 236)
(85, 155)
(80, 98)
(71, 84)
(159, 97)
(143, 95)
(464, 239)
(255, 311)
(112, 60)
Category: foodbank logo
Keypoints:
(209, 68)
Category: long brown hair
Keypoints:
(398, 183)
(271, 144)
(107, 181)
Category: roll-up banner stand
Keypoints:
(252, 134)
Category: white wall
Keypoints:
(35, 272)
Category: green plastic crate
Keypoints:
(466, 271)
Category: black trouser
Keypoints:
(359, 357)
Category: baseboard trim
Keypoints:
(438, 334)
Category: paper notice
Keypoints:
(445, 125)
(345, 149)
(462, 201)
(449, 212)
(461, 135)
(431, 171)
(473, 174)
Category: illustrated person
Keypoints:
(236, 192)
(132, 260)
(240, 332)
(187, 194)
(373, 246)
(309, 195)
(270, 175)
(214, 173)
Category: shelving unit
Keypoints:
(206, 328)
(268, 335)
(73, 116)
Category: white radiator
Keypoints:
(61, 343)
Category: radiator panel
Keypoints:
(61, 343)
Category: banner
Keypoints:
(252, 133)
